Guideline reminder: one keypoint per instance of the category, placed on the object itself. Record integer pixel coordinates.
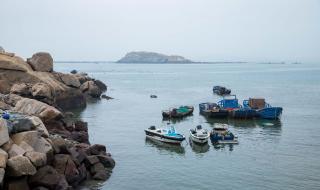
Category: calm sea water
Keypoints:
(270, 155)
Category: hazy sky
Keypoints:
(202, 30)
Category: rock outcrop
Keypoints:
(152, 57)
(36, 79)
(39, 148)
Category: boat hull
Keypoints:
(199, 140)
(163, 138)
(270, 113)
(216, 114)
(243, 113)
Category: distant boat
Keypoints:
(212, 110)
(179, 112)
(231, 104)
(263, 109)
(199, 135)
(168, 135)
(221, 90)
(221, 135)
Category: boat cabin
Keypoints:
(231, 102)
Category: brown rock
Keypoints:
(70, 80)
(16, 150)
(13, 63)
(19, 166)
(91, 89)
(26, 147)
(39, 109)
(48, 177)
(91, 160)
(64, 165)
(20, 89)
(41, 61)
(41, 90)
(6, 147)
(41, 128)
(3, 158)
(38, 159)
(101, 85)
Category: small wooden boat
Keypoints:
(263, 109)
(221, 90)
(179, 112)
(164, 135)
(199, 135)
(231, 104)
(212, 110)
(221, 135)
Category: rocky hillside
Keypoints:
(42, 147)
(151, 57)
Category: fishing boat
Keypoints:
(231, 104)
(179, 112)
(212, 110)
(199, 135)
(168, 135)
(263, 109)
(221, 90)
(221, 135)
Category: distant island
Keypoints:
(152, 57)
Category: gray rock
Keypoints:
(3, 158)
(91, 160)
(74, 71)
(21, 123)
(41, 61)
(101, 85)
(41, 128)
(4, 133)
(38, 159)
(107, 161)
(19, 166)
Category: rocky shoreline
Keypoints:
(41, 145)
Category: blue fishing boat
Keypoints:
(221, 135)
(263, 109)
(212, 110)
(231, 104)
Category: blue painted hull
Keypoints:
(243, 113)
(270, 113)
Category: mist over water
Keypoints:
(271, 154)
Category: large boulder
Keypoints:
(91, 89)
(40, 127)
(33, 138)
(4, 133)
(101, 85)
(13, 63)
(42, 91)
(69, 80)
(41, 61)
(39, 109)
(65, 165)
(21, 123)
(38, 159)
(107, 161)
(3, 158)
(48, 177)
(19, 166)
(20, 89)
(16, 150)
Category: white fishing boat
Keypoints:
(168, 135)
(199, 135)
